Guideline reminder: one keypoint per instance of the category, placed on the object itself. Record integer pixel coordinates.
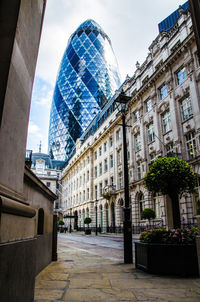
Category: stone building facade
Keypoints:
(163, 119)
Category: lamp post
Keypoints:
(122, 102)
(96, 217)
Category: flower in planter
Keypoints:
(179, 236)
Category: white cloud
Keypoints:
(34, 129)
(45, 100)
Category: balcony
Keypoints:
(109, 191)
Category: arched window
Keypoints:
(40, 229)
(113, 215)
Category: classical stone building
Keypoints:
(49, 172)
(163, 119)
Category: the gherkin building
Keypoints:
(87, 79)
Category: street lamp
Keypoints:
(122, 102)
(96, 216)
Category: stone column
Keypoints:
(118, 215)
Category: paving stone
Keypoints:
(95, 295)
(53, 276)
(86, 275)
(48, 295)
(51, 284)
(89, 283)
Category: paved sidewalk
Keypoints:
(78, 276)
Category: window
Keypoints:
(166, 122)
(128, 153)
(48, 184)
(83, 195)
(148, 105)
(139, 171)
(137, 142)
(111, 160)
(191, 145)
(105, 146)
(105, 165)
(141, 203)
(111, 181)
(88, 159)
(95, 172)
(100, 169)
(111, 141)
(169, 149)
(88, 175)
(88, 193)
(151, 134)
(95, 155)
(181, 75)
(106, 183)
(40, 226)
(95, 190)
(119, 161)
(186, 107)
(100, 151)
(152, 157)
(163, 91)
(120, 180)
(118, 135)
(84, 178)
(100, 189)
(80, 180)
(136, 116)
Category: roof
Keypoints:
(49, 163)
(171, 20)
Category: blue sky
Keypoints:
(132, 25)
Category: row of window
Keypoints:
(104, 148)
(105, 166)
(181, 76)
(186, 109)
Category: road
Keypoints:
(108, 247)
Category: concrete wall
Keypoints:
(23, 253)
(17, 99)
(17, 273)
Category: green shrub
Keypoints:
(61, 222)
(148, 214)
(179, 236)
(87, 220)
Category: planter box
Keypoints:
(166, 258)
(88, 232)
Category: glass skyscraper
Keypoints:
(87, 79)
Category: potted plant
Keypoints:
(164, 251)
(60, 225)
(87, 221)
